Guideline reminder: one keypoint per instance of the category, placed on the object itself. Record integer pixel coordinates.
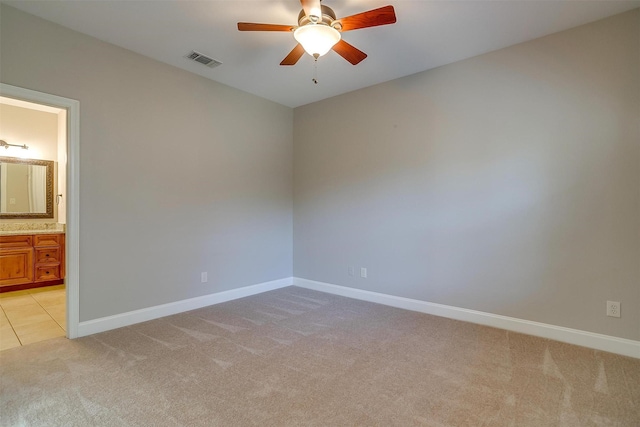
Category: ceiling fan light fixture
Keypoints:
(316, 39)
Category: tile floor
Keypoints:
(32, 315)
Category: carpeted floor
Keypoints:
(295, 357)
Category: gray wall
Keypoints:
(506, 183)
(179, 174)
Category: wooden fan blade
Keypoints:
(311, 7)
(381, 16)
(293, 56)
(349, 52)
(251, 26)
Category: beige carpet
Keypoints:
(297, 357)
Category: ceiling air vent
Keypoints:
(203, 59)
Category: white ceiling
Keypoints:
(428, 34)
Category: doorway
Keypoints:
(48, 298)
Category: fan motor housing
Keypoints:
(327, 18)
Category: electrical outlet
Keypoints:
(203, 277)
(363, 273)
(613, 308)
(352, 271)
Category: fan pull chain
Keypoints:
(315, 70)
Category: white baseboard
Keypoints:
(602, 342)
(125, 319)
(608, 343)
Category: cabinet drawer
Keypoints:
(46, 240)
(16, 241)
(47, 272)
(47, 255)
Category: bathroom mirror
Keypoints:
(26, 188)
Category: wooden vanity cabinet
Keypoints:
(29, 261)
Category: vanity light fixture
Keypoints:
(6, 145)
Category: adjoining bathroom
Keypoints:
(33, 166)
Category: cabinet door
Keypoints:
(16, 266)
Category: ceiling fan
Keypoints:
(318, 30)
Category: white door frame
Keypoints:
(72, 257)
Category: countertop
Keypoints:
(19, 232)
(17, 228)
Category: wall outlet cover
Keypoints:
(613, 308)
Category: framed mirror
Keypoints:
(26, 188)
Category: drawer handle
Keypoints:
(47, 272)
(47, 255)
